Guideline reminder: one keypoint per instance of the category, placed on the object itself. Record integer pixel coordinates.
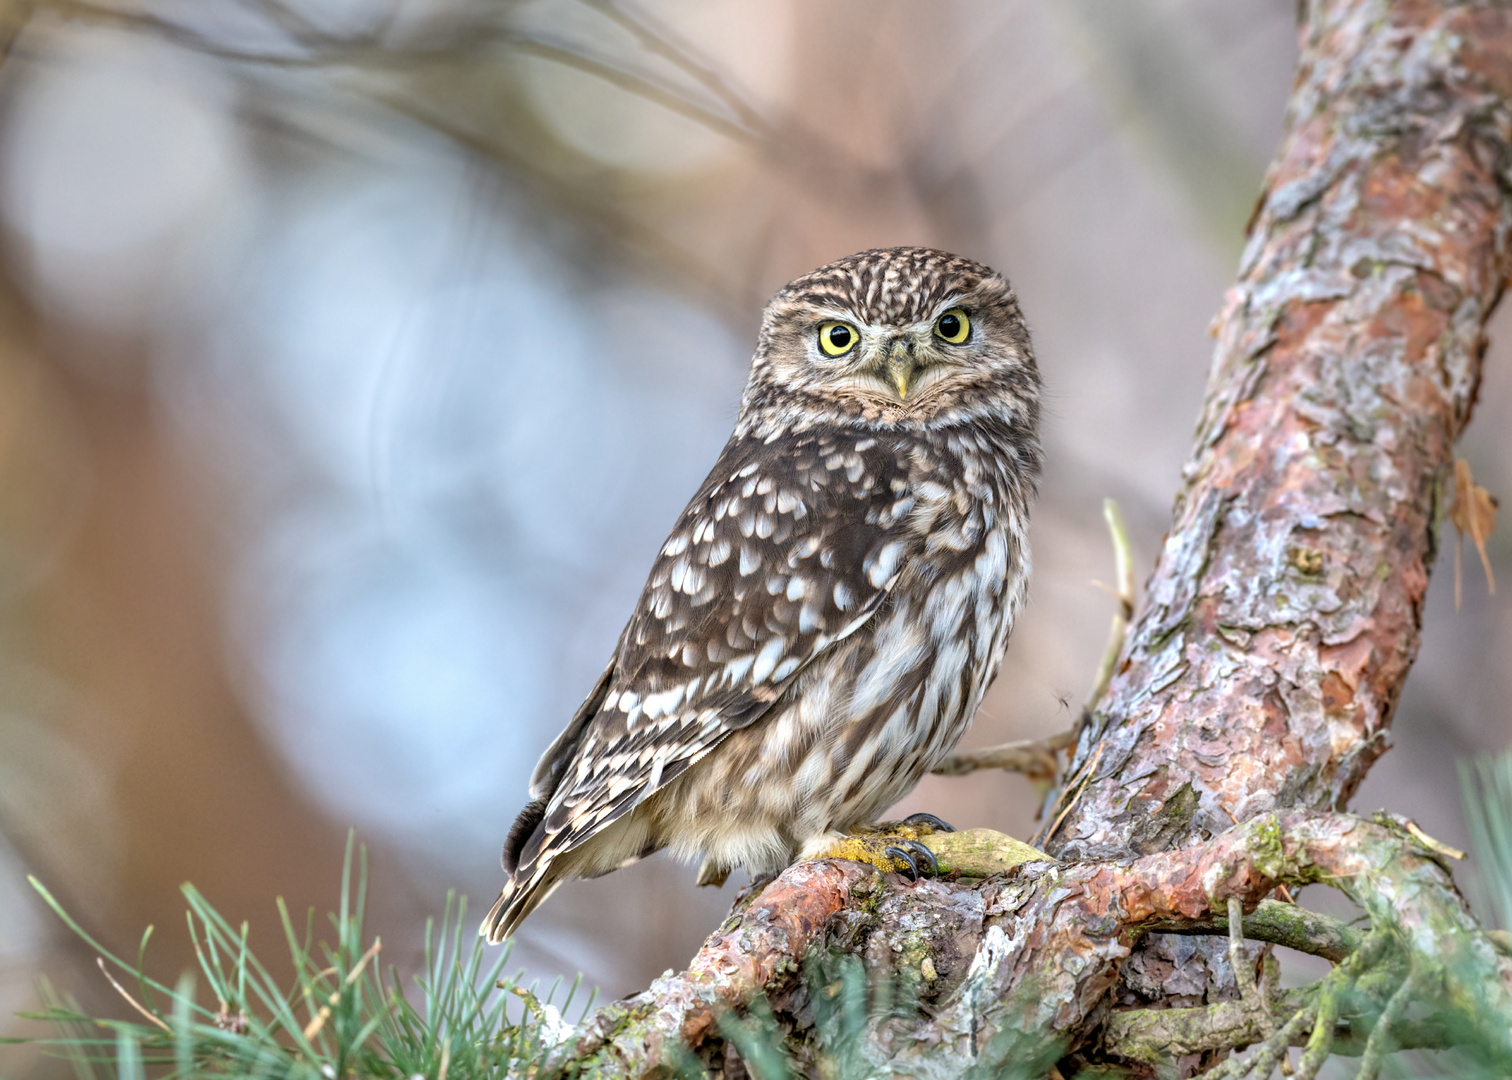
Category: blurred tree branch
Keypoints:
(455, 70)
(461, 41)
(455, 73)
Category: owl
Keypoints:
(829, 609)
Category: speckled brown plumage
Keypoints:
(827, 612)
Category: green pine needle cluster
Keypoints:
(340, 1015)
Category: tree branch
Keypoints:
(1279, 924)
(1284, 612)
(1044, 943)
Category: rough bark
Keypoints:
(1019, 966)
(1284, 613)
(1259, 678)
(1283, 616)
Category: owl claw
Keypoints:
(910, 869)
(713, 873)
(917, 858)
(930, 866)
(937, 824)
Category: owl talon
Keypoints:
(713, 873)
(937, 824)
(910, 869)
(918, 860)
(924, 859)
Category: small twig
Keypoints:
(327, 51)
(1279, 924)
(1073, 789)
(1244, 973)
(1321, 1041)
(135, 1004)
(1270, 976)
(1436, 846)
(1274, 1048)
(1270, 1052)
(1379, 1044)
(659, 41)
(1034, 758)
(1118, 632)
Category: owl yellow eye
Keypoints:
(837, 338)
(953, 326)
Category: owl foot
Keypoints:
(893, 846)
(918, 860)
(892, 852)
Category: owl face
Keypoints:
(901, 337)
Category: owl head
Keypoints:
(897, 337)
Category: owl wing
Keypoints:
(788, 547)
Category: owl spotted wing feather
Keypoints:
(548, 770)
(788, 547)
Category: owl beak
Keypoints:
(902, 368)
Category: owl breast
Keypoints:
(869, 717)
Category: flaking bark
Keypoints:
(1260, 675)
(1277, 629)
(1284, 613)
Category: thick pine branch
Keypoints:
(1284, 613)
(1026, 959)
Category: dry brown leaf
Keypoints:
(1473, 513)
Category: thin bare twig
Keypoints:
(322, 50)
(1380, 1040)
(1244, 973)
(1118, 632)
(1034, 758)
(660, 41)
(1073, 789)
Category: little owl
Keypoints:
(822, 622)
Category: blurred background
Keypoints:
(356, 356)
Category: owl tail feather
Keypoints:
(518, 900)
